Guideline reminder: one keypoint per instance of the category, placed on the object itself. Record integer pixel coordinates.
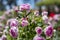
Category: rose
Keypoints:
(14, 32)
(48, 31)
(12, 22)
(38, 30)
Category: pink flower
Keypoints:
(48, 31)
(25, 7)
(38, 30)
(38, 38)
(24, 23)
(4, 37)
(12, 22)
(14, 32)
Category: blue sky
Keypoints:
(31, 2)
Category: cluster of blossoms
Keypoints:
(13, 23)
(48, 31)
(21, 27)
(22, 7)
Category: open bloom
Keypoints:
(24, 23)
(25, 7)
(38, 38)
(4, 37)
(12, 22)
(14, 32)
(48, 31)
(38, 30)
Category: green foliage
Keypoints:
(49, 2)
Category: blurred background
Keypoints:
(8, 4)
(49, 5)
